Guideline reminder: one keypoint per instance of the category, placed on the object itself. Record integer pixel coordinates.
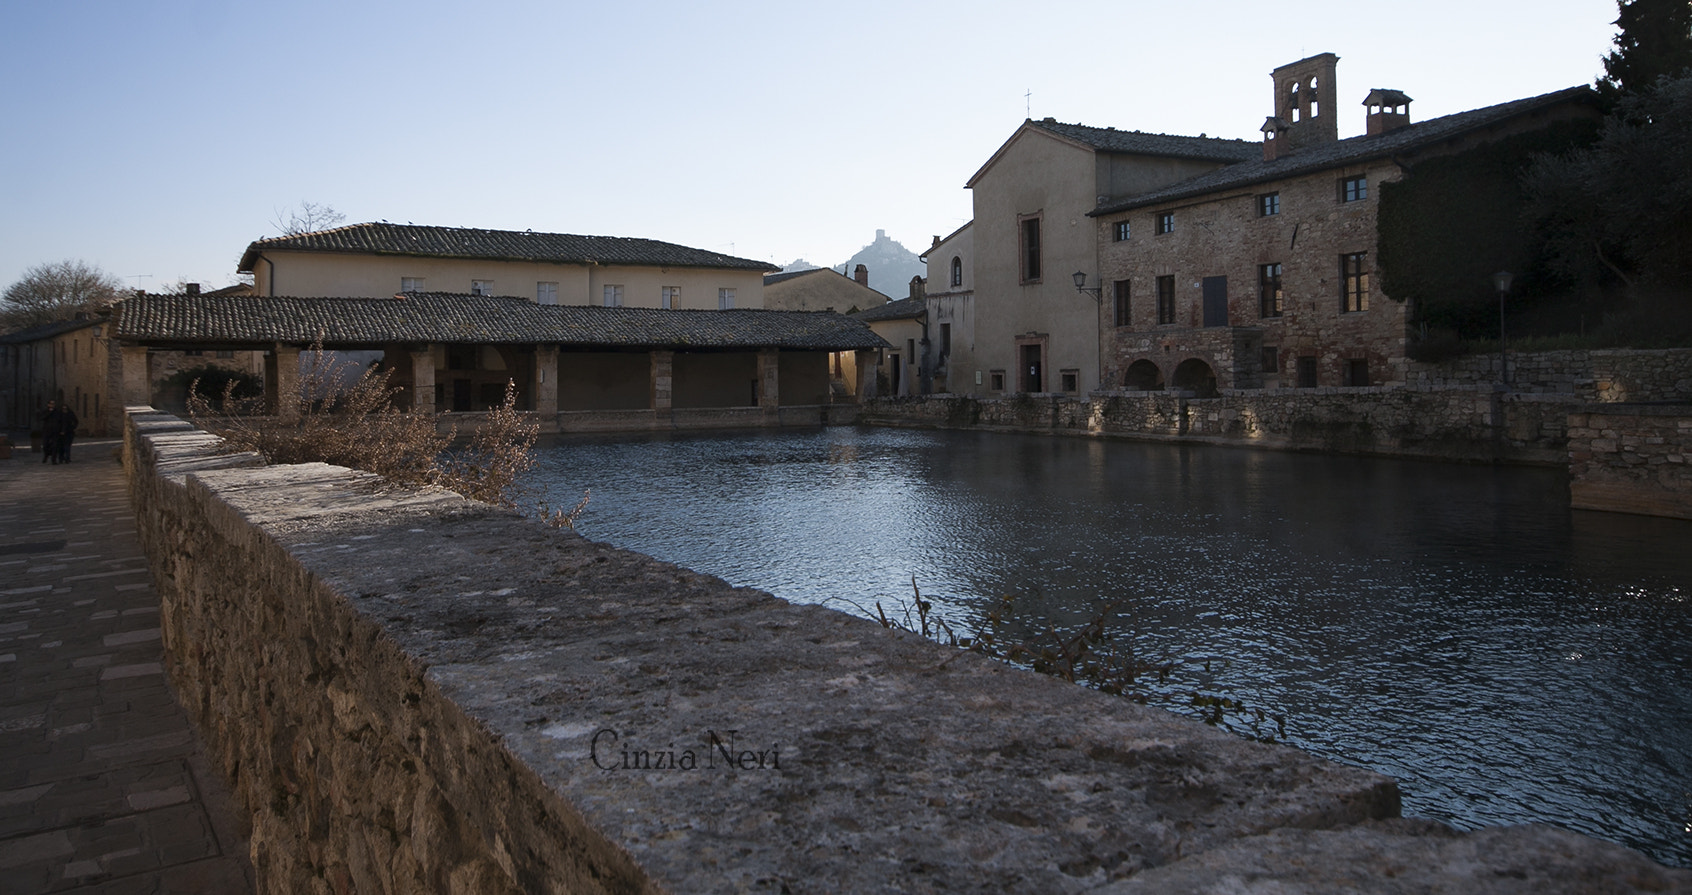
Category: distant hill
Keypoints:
(798, 264)
(890, 264)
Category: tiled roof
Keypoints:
(903, 309)
(1109, 139)
(452, 318)
(1322, 156)
(496, 245)
(49, 330)
(773, 278)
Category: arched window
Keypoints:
(957, 271)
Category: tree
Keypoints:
(51, 292)
(1623, 206)
(307, 217)
(1655, 42)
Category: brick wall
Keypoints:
(1602, 376)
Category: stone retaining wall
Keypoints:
(1632, 459)
(1595, 376)
(1457, 423)
(416, 693)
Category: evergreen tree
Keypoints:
(1655, 42)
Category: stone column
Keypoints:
(867, 362)
(546, 381)
(135, 382)
(663, 380)
(423, 380)
(769, 379)
(282, 382)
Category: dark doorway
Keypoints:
(461, 396)
(1307, 372)
(1196, 376)
(897, 368)
(1143, 375)
(1215, 301)
(1031, 381)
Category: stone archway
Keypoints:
(1143, 375)
(1196, 376)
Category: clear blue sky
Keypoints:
(157, 139)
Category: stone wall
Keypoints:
(1458, 424)
(412, 692)
(1632, 459)
(1632, 375)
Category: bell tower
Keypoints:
(1304, 106)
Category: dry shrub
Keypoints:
(357, 425)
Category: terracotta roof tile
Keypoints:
(453, 318)
(496, 245)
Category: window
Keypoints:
(1269, 290)
(957, 271)
(996, 380)
(1268, 204)
(725, 299)
(1030, 249)
(481, 287)
(1121, 231)
(1307, 372)
(613, 296)
(1165, 222)
(1165, 299)
(191, 352)
(1357, 371)
(1270, 361)
(1354, 280)
(226, 354)
(1071, 380)
(546, 293)
(1119, 292)
(669, 298)
(411, 284)
(945, 341)
(1354, 189)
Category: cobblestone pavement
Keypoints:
(104, 787)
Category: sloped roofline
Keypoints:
(948, 238)
(1170, 145)
(421, 241)
(1350, 151)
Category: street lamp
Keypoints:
(1501, 282)
(1097, 293)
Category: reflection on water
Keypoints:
(1457, 627)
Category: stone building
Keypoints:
(377, 259)
(1262, 273)
(949, 293)
(1030, 331)
(63, 362)
(821, 289)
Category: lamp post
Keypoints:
(1501, 282)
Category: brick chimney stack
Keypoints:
(860, 274)
(191, 288)
(1387, 110)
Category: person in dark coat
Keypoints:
(67, 431)
(50, 432)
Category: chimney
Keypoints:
(1304, 105)
(1388, 110)
(919, 287)
(191, 288)
(861, 275)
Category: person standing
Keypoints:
(67, 432)
(50, 432)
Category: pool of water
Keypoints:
(1507, 659)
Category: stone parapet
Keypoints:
(1598, 376)
(413, 692)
